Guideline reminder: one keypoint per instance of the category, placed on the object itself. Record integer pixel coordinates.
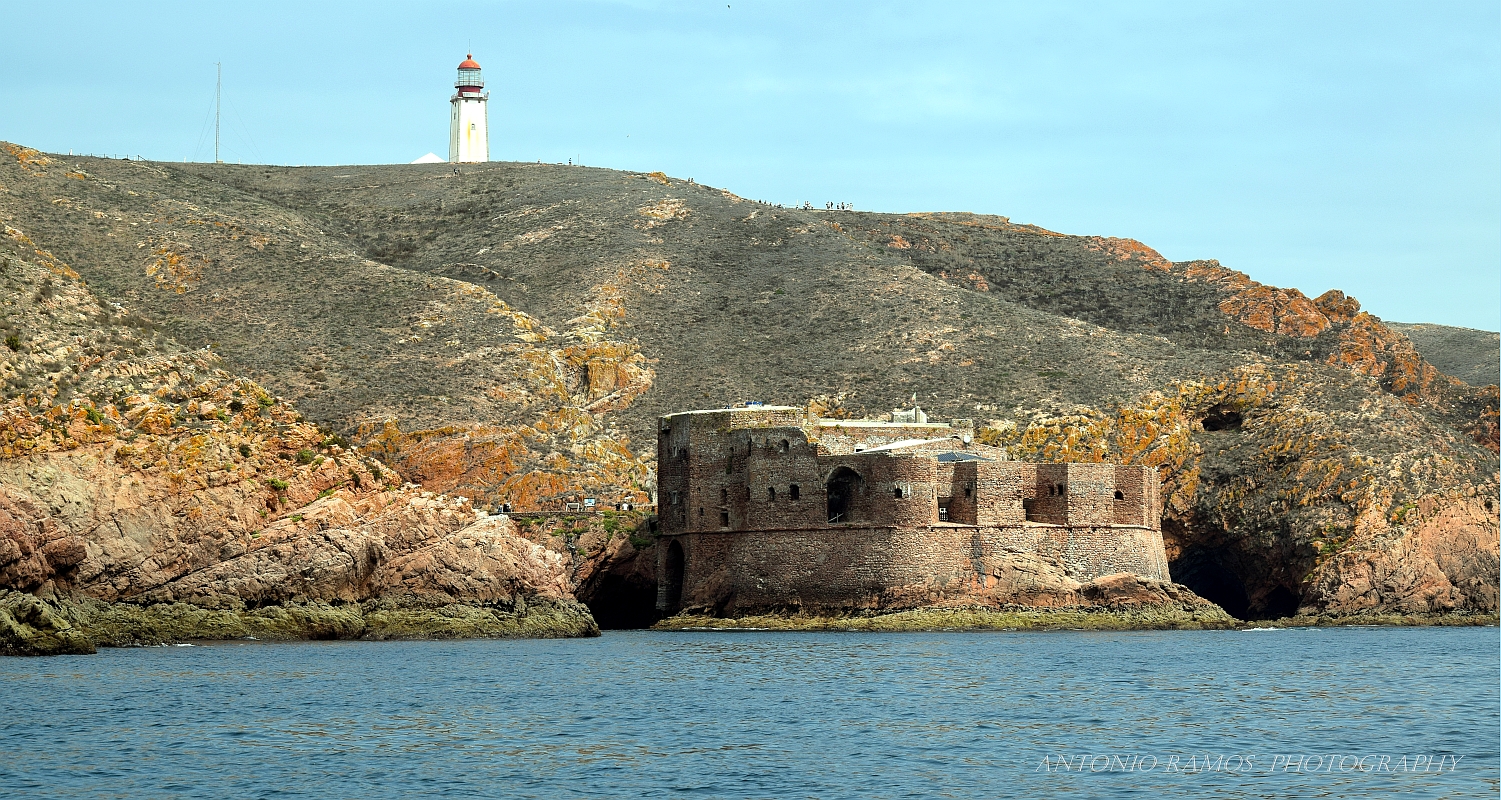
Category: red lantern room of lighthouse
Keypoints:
(469, 81)
(468, 131)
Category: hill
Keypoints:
(510, 332)
(1465, 353)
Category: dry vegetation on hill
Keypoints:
(509, 332)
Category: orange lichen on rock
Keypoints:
(27, 156)
(1337, 306)
(1129, 250)
(1285, 311)
(1370, 348)
(174, 271)
(565, 384)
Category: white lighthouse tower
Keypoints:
(468, 135)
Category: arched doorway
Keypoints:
(844, 486)
(672, 578)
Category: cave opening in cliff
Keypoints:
(1213, 581)
(1279, 602)
(1220, 418)
(622, 602)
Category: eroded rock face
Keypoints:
(119, 534)
(31, 627)
(147, 493)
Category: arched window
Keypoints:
(897, 492)
(1119, 495)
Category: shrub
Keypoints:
(325, 493)
(236, 406)
(296, 517)
(94, 416)
(305, 456)
(244, 450)
(13, 342)
(277, 483)
(265, 401)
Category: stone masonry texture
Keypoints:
(771, 507)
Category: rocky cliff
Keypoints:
(147, 493)
(509, 332)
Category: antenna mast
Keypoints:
(218, 87)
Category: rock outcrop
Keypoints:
(147, 493)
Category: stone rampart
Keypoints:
(858, 566)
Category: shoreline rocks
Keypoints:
(1083, 618)
(32, 626)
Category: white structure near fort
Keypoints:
(468, 135)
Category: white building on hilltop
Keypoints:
(468, 135)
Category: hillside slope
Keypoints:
(509, 332)
(1469, 355)
(147, 493)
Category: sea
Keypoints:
(1301, 712)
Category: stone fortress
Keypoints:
(771, 507)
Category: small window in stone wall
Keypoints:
(673, 499)
(771, 493)
(784, 446)
(1119, 495)
(724, 519)
(793, 492)
(700, 511)
(724, 495)
(967, 490)
(897, 492)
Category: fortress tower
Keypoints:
(468, 135)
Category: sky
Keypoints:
(1350, 145)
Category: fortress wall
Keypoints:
(961, 482)
(1090, 494)
(1139, 486)
(1000, 488)
(777, 467)
(857, 566)
(1051, 503)
(1087, 552)
(876, 502)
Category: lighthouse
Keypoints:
(468, 135)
